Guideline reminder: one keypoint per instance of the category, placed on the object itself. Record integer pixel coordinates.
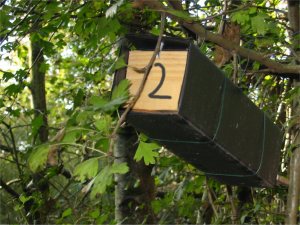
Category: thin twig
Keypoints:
(235, 68)
(146, 71)
(20, 22)
(234, 210)
(225, 12)
(15, 151)
(8, 189)
(210, 198)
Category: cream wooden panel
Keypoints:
(174, 63)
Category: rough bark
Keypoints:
(124, 141)
(294, 185)
(275, 67)
(132, 205)
(40, 110)
(38, 89)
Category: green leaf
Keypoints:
(259, 25)
(78, 98)
(146, 151)
(14, 89)
(7, 76)
(98, 102)
(119, 64)
(119, 96)
(102, 180)
(38, 157)
(72, 134)
(36, 124)
(120, 168)
(122, 90)
(83, 116)
(95, 214)
(105, 177)
(66, 213)
(252, 10)
(44, 67)
(87, 169)
(24, 198)
(1, 103)
(102, 144)
(240, 17)
(104, 124)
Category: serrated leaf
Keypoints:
(105, 177)
(240, 17)
(38, 157)
(258, 24)
(104, 124)
(83, 116)
(14, 89)
(71, 135)
(102, 180)
(120, 168)
(98, 102)
(87, 169)
(104, 105)
(121, 90)
(146, 151)
(7, 76)
(119, 96)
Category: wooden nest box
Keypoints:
(191, 108)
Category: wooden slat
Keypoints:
(174, 63)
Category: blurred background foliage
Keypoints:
(79, 41)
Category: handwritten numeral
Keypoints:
(152, 94)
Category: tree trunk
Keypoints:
(38, 89)
(125, 141)
(294, 185)
(132, 205)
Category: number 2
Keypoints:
(152, 94)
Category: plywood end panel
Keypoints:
(163, 87)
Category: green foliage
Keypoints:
(121, 91)
(38, 157)
(240, 17)
(105, 177)
(87, 169)
(258, 24)
(80, 42)
(36, 123)
(147, 152)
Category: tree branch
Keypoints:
(14, 148)
(20, 22)
(281, 69)
(8, 189)
(6, 148)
